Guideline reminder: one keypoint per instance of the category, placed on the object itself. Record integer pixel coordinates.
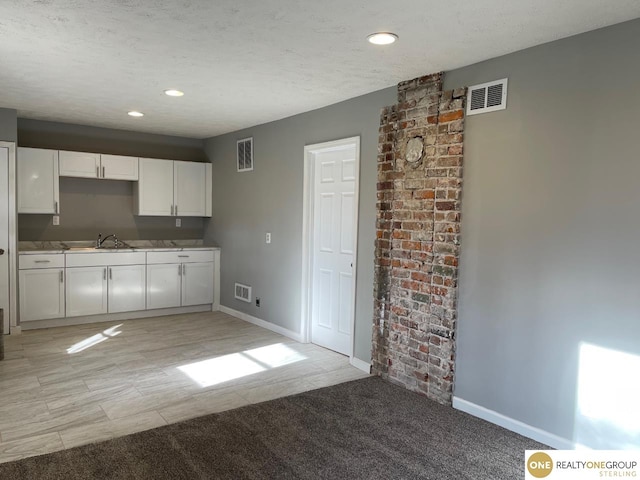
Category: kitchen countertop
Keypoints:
(47, 247)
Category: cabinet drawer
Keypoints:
(186, 256)
(104, 258)
(48, 260)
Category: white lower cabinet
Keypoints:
(41, 294)
(105, 283)
(197, 283)
(81, 284)
(179, 279)
(179, 284)
(126, 288)
(86, 291)
(163, 285)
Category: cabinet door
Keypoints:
(41, 294)
(119, 167)
(79, 164)
(163, 285)
(154, 190)
(37, 171)
(127, 288)
(189, 189)
(86, 291)
(197, 283)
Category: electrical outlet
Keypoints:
(56, 219)
(267, 238)
(257, 301)
(178, 222)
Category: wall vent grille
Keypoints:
(487, 97)
(245, 154)
(243, 292)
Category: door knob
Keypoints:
(1, 251)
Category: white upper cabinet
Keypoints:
(38, 185)
(154, 190)
(96, 165)
(172, 188)
(119, 167)
(79, 164)
(189, 189)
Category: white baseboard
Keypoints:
(360, 364)
(15, 330)
(108, 317)
(262, 323)
(517, 426)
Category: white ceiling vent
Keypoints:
(245, 154)
(487, 97)
(243, 292)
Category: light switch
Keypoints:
(56, 219)
(178, 222)
(267, 238)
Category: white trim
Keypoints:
(108, 317)
(307, 222)
(16, 330)
(517, 426)
(262, 323)
(12, 249)
(360, 364)
(216, 281)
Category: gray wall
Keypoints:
(269, 199)
(91, 206)
(8, 125)
(550, 238)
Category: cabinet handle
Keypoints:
(184, 269)
(55, 207)
(102, 172)
(43, 261)
(97, 171)
(179, 270)
(110, 274)
(61, 276)
(183, 256)
(104, 274)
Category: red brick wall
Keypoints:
(417, 237)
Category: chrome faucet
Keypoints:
(101, 240)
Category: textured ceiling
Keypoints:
(242, 62)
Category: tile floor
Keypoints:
(68, 386)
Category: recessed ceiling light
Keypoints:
(382, 38)
(173, 92)
(134, 113)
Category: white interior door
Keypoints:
(4, 235)
(333, 237)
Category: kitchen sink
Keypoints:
(94, 249)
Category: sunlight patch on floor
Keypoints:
(236, 365)
(94, 340)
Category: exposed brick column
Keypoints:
(382, 266)
(417, 245)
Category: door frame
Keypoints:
(307, 232)
(12, 249)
